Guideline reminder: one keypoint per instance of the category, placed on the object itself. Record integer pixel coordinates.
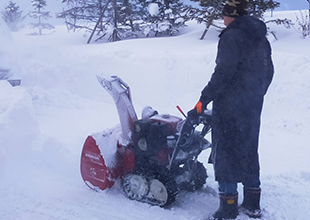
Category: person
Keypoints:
(243, 73)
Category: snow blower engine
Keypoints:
(155, 156)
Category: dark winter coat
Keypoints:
(243, 73)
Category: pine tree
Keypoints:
(166, 17)
(211, 10)
(133, 14)
(258, 7)
(122, 19)
(40, 14)
(80, 14)
(309, 7)
(83, 14)
(272, 5)
(12, 15)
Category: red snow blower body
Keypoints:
(155, 157)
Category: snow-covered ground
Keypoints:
(44, 122)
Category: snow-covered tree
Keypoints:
(309, 6)
(40, 14)
(211, 10)
(98, 16)
(101, 17)
(208, 12)
(258, 7)
(79, 14)
(132, 15)
(125, 19)
(166, 16)
(121, 19)
(12, 15)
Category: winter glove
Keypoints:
(198, 107)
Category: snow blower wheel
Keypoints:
(152, 189)
(159, 191)
(135, 186)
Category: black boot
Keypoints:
(250, 205)
(228, 207)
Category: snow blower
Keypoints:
(154, 157)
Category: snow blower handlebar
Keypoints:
(192, 120)
(179, 108)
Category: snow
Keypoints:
(45, 121)
(7, 52)
(153, 9)
(107, 143)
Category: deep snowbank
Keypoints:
(18, 125)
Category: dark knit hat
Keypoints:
(236, 8)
